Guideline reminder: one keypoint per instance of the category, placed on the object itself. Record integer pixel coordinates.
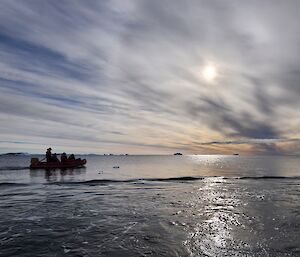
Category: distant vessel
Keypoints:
(177, 153)
(236, 154)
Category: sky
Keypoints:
(126, 76)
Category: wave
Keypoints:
(140, 180)
(95, 182)
(14, 168)
(268, 177)
(174, 179)
(9, 184)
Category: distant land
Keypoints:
(15, 154)
(110, 154)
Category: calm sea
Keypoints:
(152, 206)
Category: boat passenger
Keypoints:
(71, 157)
(49, 155)
(63, 157)
(54, 158)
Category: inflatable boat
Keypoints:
(36, 164)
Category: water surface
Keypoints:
(152, 206)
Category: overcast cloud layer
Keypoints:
(125, 76)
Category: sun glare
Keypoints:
(209, 73)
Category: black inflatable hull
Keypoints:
(53, 165)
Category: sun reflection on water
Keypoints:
(215, 206)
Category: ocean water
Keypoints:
(152, 206)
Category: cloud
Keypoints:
(126, 75)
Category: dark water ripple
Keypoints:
(5, 168)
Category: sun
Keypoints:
(209, 73)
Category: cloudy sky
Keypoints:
(145, 77)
